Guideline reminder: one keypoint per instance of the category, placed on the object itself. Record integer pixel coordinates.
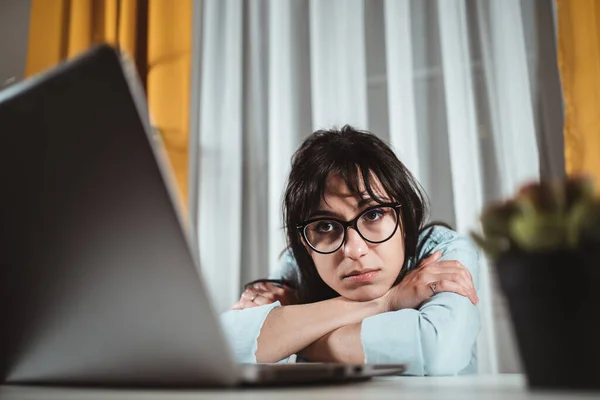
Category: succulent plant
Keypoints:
(542, 216)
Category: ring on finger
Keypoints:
(432, 286)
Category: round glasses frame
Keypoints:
(350, 224)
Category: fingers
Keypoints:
(452, 264)
(458, 279)
(268, 287)
(460, 273)
(430, 277)
(249, 294)
(251, 299)
(456, 275)
(449, 271)
(253, 295)
(262, 300)
(432, 262)
(259, 294)
(277, 290)
(242, 304)
(246, 300)
(273, 289)
(260, 286)
(451, 286)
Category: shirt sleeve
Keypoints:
(440, 337)
(242, 327)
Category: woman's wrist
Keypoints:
(360, 310)
(383, 303)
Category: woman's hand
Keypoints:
(261, 293)
(430, 277)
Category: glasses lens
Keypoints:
(324, 235)
(378, 224)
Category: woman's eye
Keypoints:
(373, 215)
(325, 227)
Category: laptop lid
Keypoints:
(98, 280)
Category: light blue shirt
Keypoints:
(437, 339)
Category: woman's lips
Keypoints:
(363, 276)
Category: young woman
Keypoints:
(364, 278)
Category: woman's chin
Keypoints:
(364, 293)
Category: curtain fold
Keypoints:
(48, 40)
(168, 72)
(464, 150)
(579, 62)
(510, 86)
(401, 83)
(338, 63)
(255, 158)
(220, 152)
(288, 109)
(60, 29)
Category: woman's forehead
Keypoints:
(336, 191)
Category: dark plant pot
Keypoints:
(555, 309)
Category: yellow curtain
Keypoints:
(579, 64)
(169, 76)
(155, 33)
(60, 29)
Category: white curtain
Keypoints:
(466, 92)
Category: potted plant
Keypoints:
(545, 244)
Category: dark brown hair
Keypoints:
(353, 155)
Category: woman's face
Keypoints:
(359, 270)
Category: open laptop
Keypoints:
(99, 283)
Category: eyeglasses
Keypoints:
(375, 224)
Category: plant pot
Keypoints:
(556, 315)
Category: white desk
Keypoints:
(510, 387)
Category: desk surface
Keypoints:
(511, 387)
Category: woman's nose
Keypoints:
(355, 246)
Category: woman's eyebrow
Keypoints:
(325, 213)
(363, 203)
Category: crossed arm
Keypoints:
(286, 332)
(341, 345)
(434, 336)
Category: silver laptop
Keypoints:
(99, 282)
